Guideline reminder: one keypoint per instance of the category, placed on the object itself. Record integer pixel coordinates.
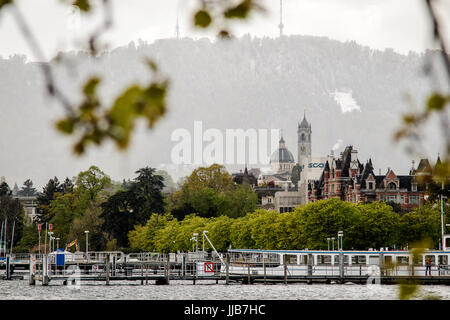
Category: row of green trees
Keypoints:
(372, 225)
(140, 214)
(110, 210)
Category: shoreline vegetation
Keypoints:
(151, 213)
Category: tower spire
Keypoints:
(177, 30)
(281, 25)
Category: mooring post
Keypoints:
(108, 271)
(45, 270)
(285, 268)
(381, 264)
(146, 274)
(265, 271)
(341, 266)
(310, 264)
(168, 269)
(183, 265)
(8, 268)
(113, 265)
(227, 268)
(32, 269)
(142, 273)
(248, 273)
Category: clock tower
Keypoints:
(304, 140)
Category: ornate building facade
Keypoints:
(348, 179)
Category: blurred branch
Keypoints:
(438, 37)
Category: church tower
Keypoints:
(304, 140)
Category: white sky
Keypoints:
(399, 24)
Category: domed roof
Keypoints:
(281, 155)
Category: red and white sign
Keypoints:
(39, 227)
(50, 227)
(209, 267)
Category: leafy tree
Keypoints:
(27, 189)
(90, 183)
(169, 184)
(92, 222)
(49, 192)
(377, 226)
(215, 177)
(240, 201)
(12, 215)
(29, 240)
(210, 192)
(143, 236)
(323, 219)
(133, 206)
(421, 224)
(4, 189)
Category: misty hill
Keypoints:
(351, 93)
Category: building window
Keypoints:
(392, 186)
(381, 197)
(332, 188)
(391, 198)
(402, 199)
(269, 200)
(414, 187)
(370, 185)
(414, 199)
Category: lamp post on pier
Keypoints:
(332, 239)
(50, 233)
(328, 242)
(87, 245)
(340, 236)
(196, 241)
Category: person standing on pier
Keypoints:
(428, 266)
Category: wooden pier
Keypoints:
(161, 269)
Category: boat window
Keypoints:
(403, 260)
(418, 260)
(291, 259)
(374, 259)
(336, 259)
(358, 259)
(433, 259)
(323, 259)
(274, 258)
(388, 260)
(303, 259)
(443, 259)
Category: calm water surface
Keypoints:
(180, 290)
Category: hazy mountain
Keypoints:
(351, 93)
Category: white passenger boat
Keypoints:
(322, 263)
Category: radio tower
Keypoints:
(281, 25)
(177, 30)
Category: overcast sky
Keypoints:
(400, 24)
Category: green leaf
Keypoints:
(240, 11)
(4, 3)
(123, 113)
(84, 5)
(407, 290)
(90, 87)
(436, 102)
(65, 126)
(202, 19)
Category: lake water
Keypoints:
(185, 290)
